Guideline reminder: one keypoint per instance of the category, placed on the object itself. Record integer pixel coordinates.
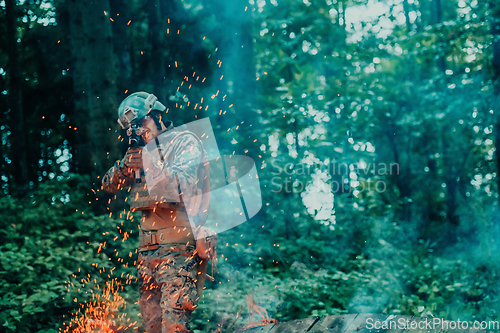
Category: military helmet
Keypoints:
(137, 106)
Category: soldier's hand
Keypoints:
(133, 159)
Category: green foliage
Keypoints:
(389, 274)
(309, 88)
(48, 244)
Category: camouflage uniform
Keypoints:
(179, 165)
(167, 280)
(167, 272)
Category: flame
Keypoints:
(252, 310)
(100, 313)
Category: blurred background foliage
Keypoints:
(373, 124)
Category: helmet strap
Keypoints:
(167, 123)
(160, 119)
(158, 123)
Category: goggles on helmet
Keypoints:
(128, 117)
(136, 107)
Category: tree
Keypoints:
(495, 31)
(20, 171)
(94, 86)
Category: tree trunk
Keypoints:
(450, 155)
(450, 159)
(403, 181)
(437, 17)
(437, 11)
(341, 8)
(18, 141)
(157, 42)
(406, 9)
(495, 32)
(94, 86)
(122, 46)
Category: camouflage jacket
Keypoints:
(176, 169)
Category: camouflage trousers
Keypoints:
(167, 281)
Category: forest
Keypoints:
(372, 124)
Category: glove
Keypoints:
(132, 160)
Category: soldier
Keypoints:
(172, 261)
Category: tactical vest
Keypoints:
(141, 200)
